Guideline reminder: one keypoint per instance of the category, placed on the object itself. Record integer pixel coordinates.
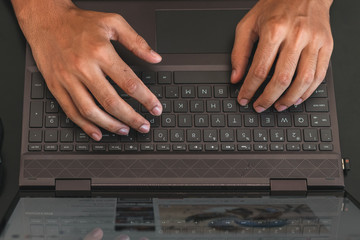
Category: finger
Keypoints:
(321, 70)
(72, 113)
(127, 80)
(116, 106)
(284, 72)
(263, 60)
(96, 234)
(245, 38)
(304, 78)
(127, 36)
(89, 110)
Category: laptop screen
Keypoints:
(312, 217)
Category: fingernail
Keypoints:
(96, 136)
(259, 109)
(123, 131)
(243, 102)
(156, 111)
(123, 237)
(156, 55)
(299, 101)
(97, 233)
(281, 108)
(144, 128)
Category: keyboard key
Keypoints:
(206, 77)
(109, 137)
(211, 147)
(115, 147)
(294, 135)
(66, 147)
(193, 135)
(34, 147)
(276, 147)
(160, 135)
(148, 78)
(66, 135)
(81, 136)
(195, 147)
(49, 95)
(147, 147)
(213, 106)
(246, 108)
(251, 120)
(35, 136)
(310, 135)
(166, 104)
(320, 92)
(296, 108)
(51, 107)
(229, 105)
(196, 106)
(168, 120)
(144, 137)
(325, 147)
(180, 106)
(301, 120)
(234, 90)
(267, 120)
(82, 147)
(172, 91)
(293, 147)
(179, 147)
(185, 120)
(51, 136)
(36, 114)
(51, 121)
(204, 92)
(284, 120)
(244, 147)
(51, 147)
(65, 122)
(131, 147)
(164, 77)
(320, 120)
(153, 120)
(177, 135)
(260, 147)
(201, 120)
(326, 135)
(188, 92)
(210, 135)
(260, 135)
(277, 135)
(37, 85)
(221, 91)
(243, 135)
(218, 120)
(129, 138)
(234, 120)
(309, 147)
(228, 147)
(317, 105)
(157, 91)
(99, 148)
(227, 135)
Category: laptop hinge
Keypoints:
(71, 187)
(288, 186)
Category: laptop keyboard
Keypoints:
(200, 114)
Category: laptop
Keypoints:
(203, 138)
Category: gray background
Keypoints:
(345, 20)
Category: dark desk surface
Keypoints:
(345, 21)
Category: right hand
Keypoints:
(73, 52)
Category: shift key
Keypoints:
(36, 114)
(317, 105)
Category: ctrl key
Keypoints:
(34, 147)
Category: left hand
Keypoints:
(299, 33)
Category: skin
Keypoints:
(82, 55)
(299, 33)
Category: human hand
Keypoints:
(73, 52)
(299, 33)
(98, 234)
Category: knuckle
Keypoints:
(266, 101)
(283, 80)
(113, 18)
(308, 78)
(110, 103)
(260, 72)
(87, 112)
(276, 28)
(131, 86)
(98, 51)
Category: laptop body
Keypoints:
(203, 66)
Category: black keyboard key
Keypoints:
(247, 108)
(277, 135)
(166, 104)
(188, 92)
(210, 135)
(234, 90)
(157, 91)
(301, 120)
(109, 137)
(234, 120)
(195, 147)
(131, 147)
(320, 92)
(193, 135)
(36, 114)
(179, 147)
(153, 120)
(211, 147)
(207, 77)
(98, 148)
(267, 120)
(317, 105)
(251, 120)
(180, 106)
(229, 105)
(325, 147)
(296, 108)
(147, 147)
(217, 120)
(49, 95)
(51, 136)
(196, 106)
(172, 91)
(149, 78)
(185, 120)
(227, 135)
(134, 104)
(34, 147)
(66, 135)
(51, 121)
(243, 135)
(115, 147)
(51, 107)
(320, 120)
(82, 147)
(284, 120)
(326, 135)
(35, 136)
(260, 135)
(65, 122)
(213, 106)
(201, 120)
(51, 147)
(294, 135)
(309, 147)
(129, 138)
(37, 85)
(228, 147)
(221, 91)
(310, 135)
(260, 147)
(66, 147)
(168, 120)
(164, 77)
(293, 147)
(160, 135)
(204, 92)
(81, 136)
(276, 147)
(244, 147)
(144, 137)
(177, 135)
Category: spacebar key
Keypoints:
(209, 77)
